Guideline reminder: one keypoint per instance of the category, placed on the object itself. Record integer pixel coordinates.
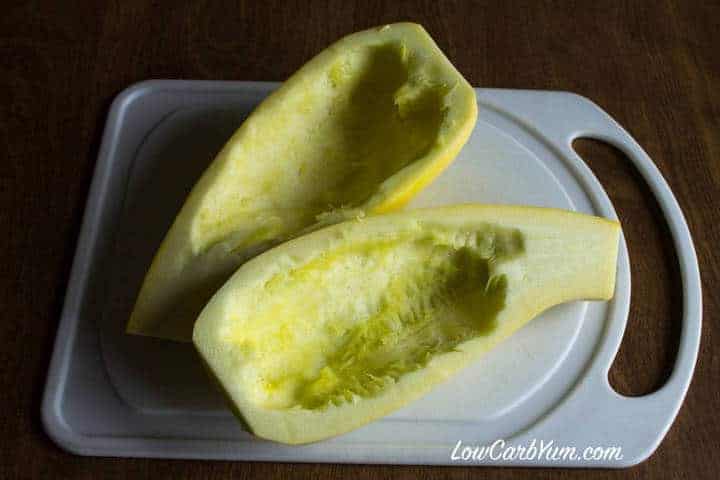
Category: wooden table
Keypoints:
(654, 67)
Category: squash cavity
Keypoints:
(352, 321)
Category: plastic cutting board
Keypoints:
(113, 394)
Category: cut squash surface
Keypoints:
(359, 129)
(336, 328)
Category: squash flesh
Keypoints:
(337, 328)
(341, 138)
(359, 129)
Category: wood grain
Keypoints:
(654, 66)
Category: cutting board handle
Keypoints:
(602, 416)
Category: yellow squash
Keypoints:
(336, 328)
(359, 129)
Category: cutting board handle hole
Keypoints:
(650, 344)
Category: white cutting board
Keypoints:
(114, 394)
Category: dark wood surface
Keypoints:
(654, 66)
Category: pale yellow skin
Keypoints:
(359, 129)
(339, 327)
